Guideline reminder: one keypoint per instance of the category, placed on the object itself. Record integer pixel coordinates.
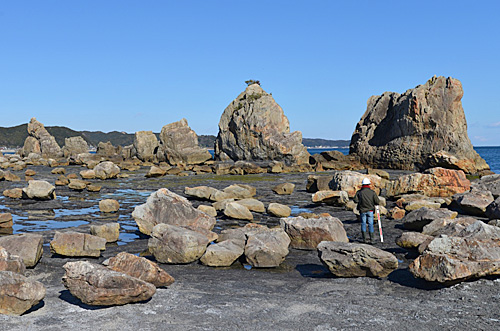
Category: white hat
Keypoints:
(366, 181)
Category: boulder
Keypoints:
(401, 131)
(77, 244)
(27, 246)
(238, 211)
(417, 219)
(141, 268)
(61, 181)
(155, 171)
(252, 205)
(106, 170)
(318, 183)
(397, 213)
(491, 183)
(254, 127)
(145, 145)
(9, 262)
(93, 188)
(97, 285)
(221, 205)
(77, 184)
(28, 172)
(109, 206)
(107, 149)
(474, 202)
(176, 245)
(278, 210)
(335, 160)
(350, 181)
(179, 145)
(356, 260)
(334, 198)
(40, 141)
(6, 220)
(109, 231)
(74, 146)
(284, 188)
(14, 193)
(435, 182)
(308, 233)
(492, 211)
(39, 190)
(10, 177)
(87, 174)
(222, 254)
(450, 227)
(209, 210)
(167, 207)
(412, 239)
(240, 191)
(206, 193)
(18, 293)
(267, 249)
(424, 203)
(473, 253)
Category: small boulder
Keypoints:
(10, 177)
(155, 171)
(39, 190)
(253, 205)
(29, 172)
(240, 191)
(14, 193)
(238, 211)
(492, 211)
(176, 245)
(209, 210)
(417, 219)
(397, 213)
(278, 210)
(109, 206)
(317, 183)
(284, 188)
(18, 293)
(58, 171)
(97, 285)
(26, 245)
(267, 249)
(6, 220)
(106, 170)
(356, 260)
(9, 262)
(474, 202)
(412, 239)
(87, 174)
(222, 254)
(308, 233)
(77, 244)
(109, 231)
(77, 184)
(334, 198)
(140, 267)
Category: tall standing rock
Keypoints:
(40, 141)
(253, 127)
(74, 146)
(416, 129)
(145, 146)
(179, 145)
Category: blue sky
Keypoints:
(138, 65)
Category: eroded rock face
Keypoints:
(18, 293)
(145, 146)
(401, 131)
(40, 141)
(74, 146)
(164, 206)
(473, 252)
(179, 145)
(97, 285)
(356, 260)
(140, 267)
(308, 233)
(176, 245)
(253, 127)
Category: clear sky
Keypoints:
(138, 65)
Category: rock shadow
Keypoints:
(405, 278)
(34, 308)
(314, 271)
(66, 295)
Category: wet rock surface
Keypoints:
(299, 294)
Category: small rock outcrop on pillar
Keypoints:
(254, 128)
(422, 128)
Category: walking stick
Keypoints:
(379, 224)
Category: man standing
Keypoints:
(366, 199)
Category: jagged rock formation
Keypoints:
(179, 145)
(40, 141)
(253, 127)
(405, 131)
(145, 146)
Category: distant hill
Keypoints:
(14, 137)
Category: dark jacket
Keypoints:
(366, 200)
